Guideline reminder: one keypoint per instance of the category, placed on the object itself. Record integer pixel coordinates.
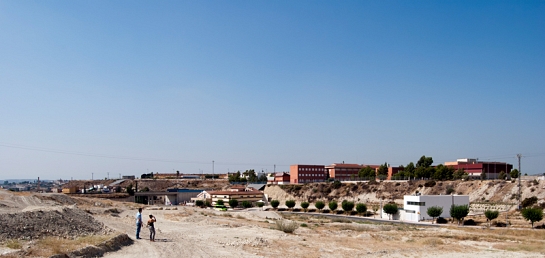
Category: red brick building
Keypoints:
(475, 168)
(300, 174)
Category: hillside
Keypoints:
(489, 191)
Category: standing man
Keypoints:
(138, 223)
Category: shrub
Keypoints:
(199, 203)
(361, 208)
(532, 214)
(336, 184)
(275, 203)
(441, 220)
(459, 212)
(319, 205)
(527, 202)
(304, 205)
(233, 203)
(469, 222)
(491, 215)
(434, 212)
(499, 224)
(430, 183)
(219, 202)
(450, 190)
(290, 204)
(333, 205)
(246, 204)
(260, 204)
(286, 226)
(390, 209)
(207, 204)
(347, 206)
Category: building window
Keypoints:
(416, 203)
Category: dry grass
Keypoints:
(53, 245)
(432, 241)
(516, 247)
(14, 244)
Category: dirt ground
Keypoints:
(195, 232)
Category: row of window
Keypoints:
(416, 203)
(311, 169)
(303, 175)
(241, 196)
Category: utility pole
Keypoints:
(520, 175)
(274, 168)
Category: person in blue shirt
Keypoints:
(139, 224)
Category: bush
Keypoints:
(333, 205)
(260, 204)
(207, 204)
(233, 203)
(219, 202)
(450, 190)
(499, 224)
(441, 220)
(246, 204)
(304, 225)
(304, 205)
(286, 226)
(319, 205)
(347, 206)
(469, 222)
(361, 208)
(459, 212)
(336, 184)
(527, 202)
(290, 204)
(390, 209)
(199, 203)
(275, 203)
(430, 183)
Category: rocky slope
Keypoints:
(488, 191)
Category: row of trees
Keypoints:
(423, 169)
(233, 203)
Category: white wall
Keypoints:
(420, 212)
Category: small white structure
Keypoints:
(416, 206)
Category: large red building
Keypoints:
(475, 168)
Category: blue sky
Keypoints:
(126, 87)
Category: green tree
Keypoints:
(219, 202)
(290, 204)
(275, 203)
(259, 204)
(532, 214)
(333, 206)
(305, 205)
(424, 162)
(459, 212)
(410, 170)
(347, 206)
(483, 176)
(361, 208)
(502, 175)
(458, 174)
(177, 174)
(383, 169)
(250, 175)
(491, 215)
(390, 209)
(319, 205)
(367, 172)
(514, 173)
(262, 178)
(235, 177)
(199, 203)
(434, 212)
(246, 204)
(233, 203)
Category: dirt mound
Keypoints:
(65, 222)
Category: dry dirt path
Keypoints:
(177, 238)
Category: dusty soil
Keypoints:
(195, 232)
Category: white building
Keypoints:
(416, 206)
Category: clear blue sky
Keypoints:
(127, 87)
